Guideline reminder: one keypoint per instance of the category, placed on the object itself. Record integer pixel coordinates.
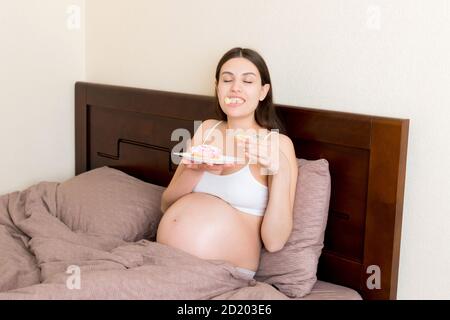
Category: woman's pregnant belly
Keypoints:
(209, 228)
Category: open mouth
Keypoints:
(233, 101)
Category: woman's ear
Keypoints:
(264, 90)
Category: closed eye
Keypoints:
(244, 81)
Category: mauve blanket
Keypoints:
(41, 258)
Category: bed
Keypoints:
(129, 129)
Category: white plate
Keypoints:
(222, 160)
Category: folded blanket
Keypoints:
(41, 258)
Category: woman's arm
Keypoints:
(278, 219)
(183, 182)
(186, 177)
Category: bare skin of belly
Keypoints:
(209, 228)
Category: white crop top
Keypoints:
(240, 189)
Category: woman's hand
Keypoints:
(210, 167)
(265, 152)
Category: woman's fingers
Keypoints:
(209, 166)
(260, 154)
(187, 163)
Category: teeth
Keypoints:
(233, 100)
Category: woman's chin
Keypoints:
(236, 112)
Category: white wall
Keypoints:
(380, 57)
(41, 57)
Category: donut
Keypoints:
(206, 151)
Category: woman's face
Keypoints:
(239, 88)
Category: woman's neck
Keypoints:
(242, 123)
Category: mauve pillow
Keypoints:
(107, 201)
(293, 269)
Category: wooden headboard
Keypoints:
(130, 129)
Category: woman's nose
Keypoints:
(236, 86)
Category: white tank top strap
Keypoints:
(211, 130)
(268, 134)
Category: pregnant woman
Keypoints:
(228, 212)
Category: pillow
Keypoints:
(292, 270)
(109, 202)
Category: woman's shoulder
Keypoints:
(204, 130)
(209, 123)
(284, 140)
(287, 146)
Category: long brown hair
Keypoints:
(265, 114)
